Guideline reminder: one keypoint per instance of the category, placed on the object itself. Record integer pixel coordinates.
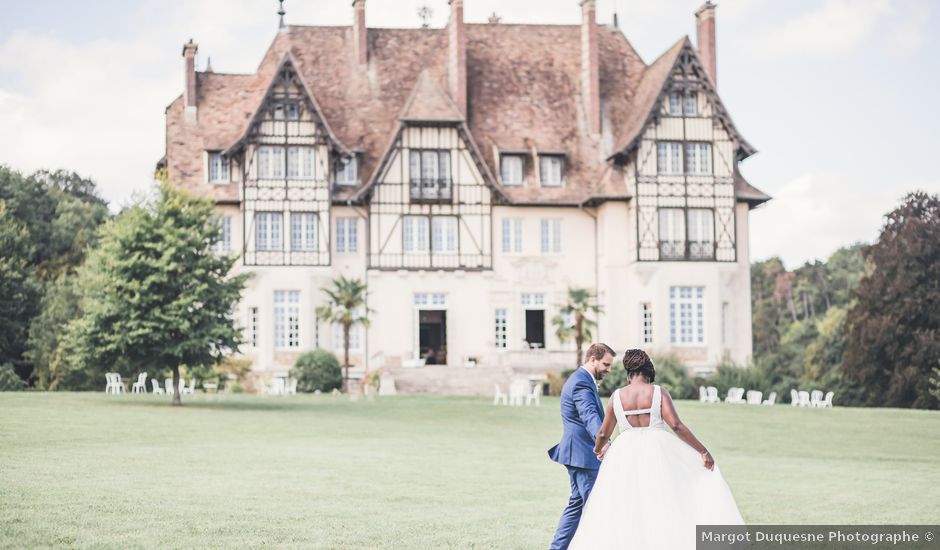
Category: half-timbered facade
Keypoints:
(471, 175)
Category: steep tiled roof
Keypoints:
(523, 95)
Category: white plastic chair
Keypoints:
(118, 384)
(140, 386)
(794, 398)
(499, 396)
(156, 386)
(804, 398)
(517, 392)
(169, 386)
(292, 388)
(754, 397)
(534, 395)
(713, 394)
(827, 401)
(188, 389)
(702, 394)
(816, 398)
(771, 399)
(109, 386)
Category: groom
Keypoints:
(582, 414)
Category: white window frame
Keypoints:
(287, 319)
(672, 225)
(347, 171)
(690, 104)
(269, 234)
(501, 327)
(218, 168)
(646, 322)
(698, 158)
(347, 235)
(270, 163)
(415, 234)
(551, 170)
(687, 315)
(511, 237)
(550, 236)
(430, 300)
(301, 162)
(224, 244)
(355, 338)
(304, 231)
(444, 235)
(669, 157)
(701, 225)
(512, 169)
(532, 300)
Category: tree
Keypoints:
(894, 327)
(154, 296)
(347, 307)
(19, 289)
(573, 320)
(60, 304)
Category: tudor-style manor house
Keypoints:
(470, 175)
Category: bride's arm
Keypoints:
(685, 434)
(607, 428)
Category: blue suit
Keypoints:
(582, 414)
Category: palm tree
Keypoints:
(573, 319)
(346, 306)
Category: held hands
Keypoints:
(600, 455)
(708, 460)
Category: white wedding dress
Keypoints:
(652, 490)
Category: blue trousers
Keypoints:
(582, 481)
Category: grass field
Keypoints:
(406, 472)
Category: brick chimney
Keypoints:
(189, 91)
(705, 32)
(457, 56)
(360, 34)
(590, 72)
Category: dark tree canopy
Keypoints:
(894, 328)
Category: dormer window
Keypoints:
(346, 171)
(301, 163)
(510, 169)
(218, 168)
(691, 104)
(551, 170)
(430, 175)
(683, 104)
(675, 104)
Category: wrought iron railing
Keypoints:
(686, 250)
(431, 190)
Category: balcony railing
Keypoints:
(686, 250)
(431, 190)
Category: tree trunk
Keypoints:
(346, 357)
(578, 340)
(176, 386)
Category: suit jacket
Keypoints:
(582, 414)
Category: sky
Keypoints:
(836, 95)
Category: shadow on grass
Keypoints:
(230, 403)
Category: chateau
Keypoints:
(470, 175)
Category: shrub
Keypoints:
(557, 381)
(317, 370)
(9, 380)
(670, 374)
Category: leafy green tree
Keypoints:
(154, 296)
(59, 306)
(346, 306)
(894, 327)
(574, 319)
(9, 380)
(19, 289)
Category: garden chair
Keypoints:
(827, 401)
(517, 392)
(702, 394)
(754, 397)
(771, 399)
(713, 394)
(500, 397)
(292, 387)
(140, 386)
(118, 383)
(156, 386)
(169, 386)
(191, 389)
(534, 395)
(804, 398)
(109, 386)
(815, 398)
(794, 398)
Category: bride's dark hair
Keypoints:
(638, 363)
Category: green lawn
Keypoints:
(406, 472)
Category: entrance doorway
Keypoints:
(535, 328)
(432, 336)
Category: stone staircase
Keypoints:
(452, 380)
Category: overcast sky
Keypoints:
(838, 96)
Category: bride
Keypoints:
(652, 489)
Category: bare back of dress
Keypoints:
(655, 412)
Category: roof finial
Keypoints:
(281, 12)
(425, 13)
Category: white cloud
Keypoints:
(833, 27)
(815, 214)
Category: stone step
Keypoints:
(452, 380)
